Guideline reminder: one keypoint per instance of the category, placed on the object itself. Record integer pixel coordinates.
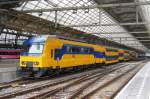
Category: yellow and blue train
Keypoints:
(46, 54)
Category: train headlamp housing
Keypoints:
(23, 63)
(36, 63)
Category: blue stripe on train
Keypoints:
(63, 51)
(96, 54)
(99, 54)
(108, 58)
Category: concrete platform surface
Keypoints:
(138, 87)
(4, 63)
(8, 63)
(8, 69)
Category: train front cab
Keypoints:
(46, 56)
(33, 58)
(111, 56)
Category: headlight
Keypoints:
(36, 63)
(23, 63)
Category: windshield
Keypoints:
(34, 50)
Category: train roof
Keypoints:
(43, 38)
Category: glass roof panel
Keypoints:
(146, 12)
(79, 17)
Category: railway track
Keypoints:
(51, 88)
(41, 86)
(22, 81)
(19, 82)
(11, 84)
(78, 92)
(50, 93)
(107, 84)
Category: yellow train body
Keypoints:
(127, 56)
(121, 54)
(58, 53)
(112, 56)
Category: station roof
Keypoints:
(123, 21)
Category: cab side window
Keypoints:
(91, 50)
(57, 51)
(69, 49)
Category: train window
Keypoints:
(111, 49)
(82, 49)
(36, 48)
(5, 53)
(9, 53)
(78, 50)
(12, 53)
(91, 50)
(103, 53)
(1, 53)
(120, 54)
(69, 49)
(86, 50)
(57, 51)
(74, 49)
(17, 53)
(51, 53)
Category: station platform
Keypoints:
(4, 63)
(8, 64)
(8, 69)
(138, 87)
